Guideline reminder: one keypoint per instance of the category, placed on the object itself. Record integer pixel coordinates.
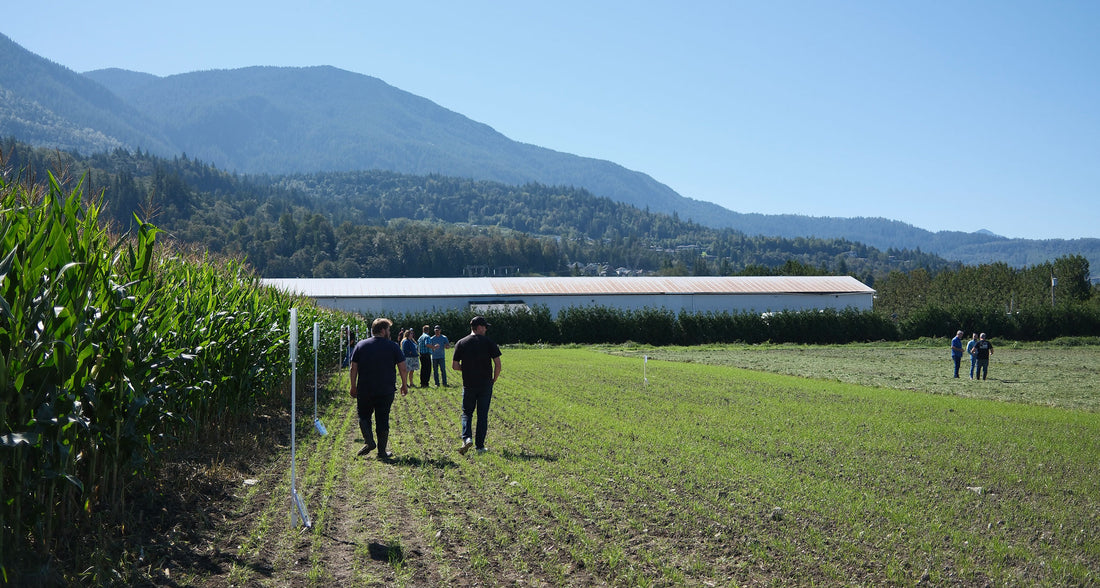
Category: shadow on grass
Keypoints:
(524, 456)
(387, 553)
(441, 463)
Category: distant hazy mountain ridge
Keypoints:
(282, 120)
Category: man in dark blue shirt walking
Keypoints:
(373, 385)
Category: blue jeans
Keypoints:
(973, 365)
(957, 361)
(476, 398)
(439, 368)
(983, 369)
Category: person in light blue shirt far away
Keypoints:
(439, 344)
(425, 349)
(971, 350)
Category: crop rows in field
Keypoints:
(702, 474)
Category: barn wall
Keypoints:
(755, 303)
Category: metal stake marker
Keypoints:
(298, 508)
(316, 346)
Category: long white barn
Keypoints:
(692, 294)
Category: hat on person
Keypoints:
(438, 328)
(479, 321)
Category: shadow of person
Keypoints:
(439, 463)
(387, 553)
(524, 456)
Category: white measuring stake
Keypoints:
(298, 508)
(317, 424)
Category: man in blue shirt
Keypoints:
(372, 384)
(439, 344)
(957, 351)
(424, 345)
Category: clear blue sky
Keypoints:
(946, 115)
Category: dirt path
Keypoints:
(367, 530)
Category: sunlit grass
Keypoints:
(713, 474)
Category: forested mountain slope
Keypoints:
(383, 224)
(282, 120)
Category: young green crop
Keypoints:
(708, 474)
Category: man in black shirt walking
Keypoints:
(477, 358)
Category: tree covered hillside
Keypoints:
(383, 224)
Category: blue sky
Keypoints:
(945, 115)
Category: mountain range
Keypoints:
(283, 120)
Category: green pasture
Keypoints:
(1049, 374)
(609, 469)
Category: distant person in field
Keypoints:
(957, 351)
(411, 352)
(983, 350)
(425, 357)
(372, 384)
(970, 345)
(439, 344)
(350, 344)
(477, 358)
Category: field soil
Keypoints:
(635, 471)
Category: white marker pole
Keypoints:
(298, 508)
(645, 364)
(316, 348)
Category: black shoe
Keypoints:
(369, 447)
(385, 456)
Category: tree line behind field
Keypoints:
(384, 224)
(657, 326)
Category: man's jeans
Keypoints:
(439, 366)
(476, 397)
(983, 369)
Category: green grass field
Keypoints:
(865, 466)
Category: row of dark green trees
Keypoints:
(658, 326)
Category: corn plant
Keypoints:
(112, 349)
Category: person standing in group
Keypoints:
(439, 344)
(957, 351)
(477, 358)
(349, 344)
(411, 351)
(372, 384)
(983, 350)
(425, 357)
(970, 345)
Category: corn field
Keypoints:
(113, 349)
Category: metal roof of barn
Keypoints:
(566, 286)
